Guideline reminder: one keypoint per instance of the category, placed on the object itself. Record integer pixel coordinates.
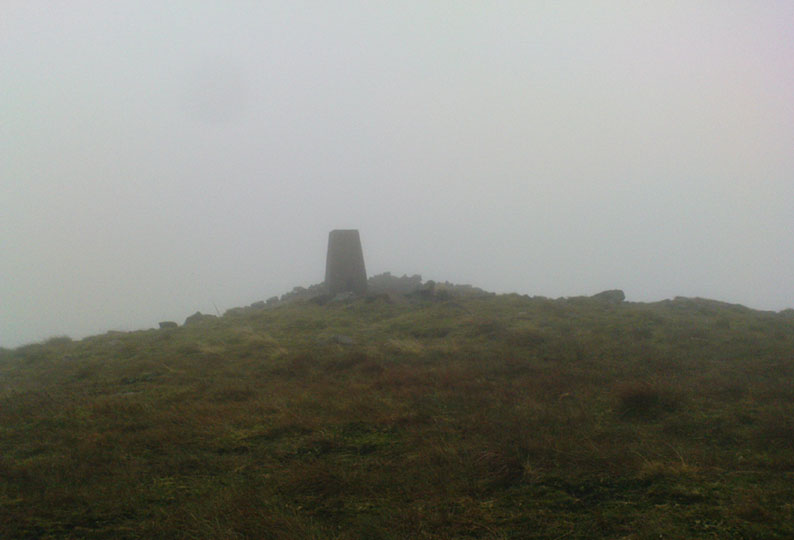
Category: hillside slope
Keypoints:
(458, 417)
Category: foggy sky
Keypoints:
(159, 157)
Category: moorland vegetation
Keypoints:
(455, 415)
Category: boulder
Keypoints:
(338, 339)
(343, 296)
(341, 339)
(320, 299)
(382, 297)
(198, 317)
(614, 296)
(168, 324)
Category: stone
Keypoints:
(389, 284)
(198, 317)
(343, 296)
(381, 297)
(168, 324)
(337, 339)
(341, 339)
(344, 265)
(428, 290)
(614, 296)
(320, 299)
(258, 305)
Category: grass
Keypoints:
(494, 417)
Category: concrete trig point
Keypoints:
(344, 266)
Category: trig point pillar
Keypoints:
(344, 267)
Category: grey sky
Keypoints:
(156, 157)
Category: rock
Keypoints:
(614, 296)
(320, 299)
(272, 300)
(341, 339)
(338, 339)
(168, 324)
(385, 283)
(426, 292)
(258, 305)
(343, 296)
(382, 297)
(199, 317)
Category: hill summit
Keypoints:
(437, 411)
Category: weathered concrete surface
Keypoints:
(344, 265)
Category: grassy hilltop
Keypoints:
(463, 416)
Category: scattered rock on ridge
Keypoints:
(614, 296)
(198, 317)
(339, 339)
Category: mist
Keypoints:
(159, 159)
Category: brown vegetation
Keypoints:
(486, 417)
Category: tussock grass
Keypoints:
(490, 417)
(640, 399)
